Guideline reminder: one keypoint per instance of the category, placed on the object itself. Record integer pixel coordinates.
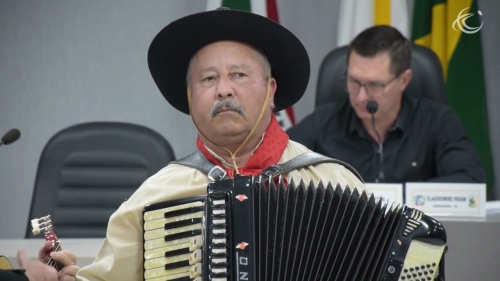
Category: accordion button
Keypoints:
(219, 260)
(219, 212)
(219, 241)
(431, 271)
(219, 202)
(219, 231)
(217, 251)
(221, 270)
(219, 221)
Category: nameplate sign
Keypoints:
(447, 199)
(390, 192)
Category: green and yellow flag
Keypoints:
(452, 30)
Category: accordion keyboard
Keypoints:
(173, 241)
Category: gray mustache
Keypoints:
(227, 104)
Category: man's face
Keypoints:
(381, 85)
(228, 88)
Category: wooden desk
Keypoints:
(474, 248)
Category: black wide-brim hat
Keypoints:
(174, 46)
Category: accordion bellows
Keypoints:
(250, 229)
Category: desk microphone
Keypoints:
(372, 107)
(10, 137)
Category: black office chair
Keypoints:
(427, 79)
(86, 171)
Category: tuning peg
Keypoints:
(41, 224)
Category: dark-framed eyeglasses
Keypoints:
(353, 86)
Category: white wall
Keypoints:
(67, 62)
(64, 62)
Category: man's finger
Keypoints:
(67, 278)
(64, 257)
(68, 271)
(45, 250)
(71, 256)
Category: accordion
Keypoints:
(249, 228)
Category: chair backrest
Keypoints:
(86, 171)
(427, 79)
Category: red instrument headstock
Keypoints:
(44, 224)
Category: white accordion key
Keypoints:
(195, 257)
(196, 243)
(195, 271)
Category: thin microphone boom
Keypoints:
(372, 107)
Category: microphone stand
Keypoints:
(381, 176)
(372, 107)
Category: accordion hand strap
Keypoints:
(199, 162)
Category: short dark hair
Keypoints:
(383, 38)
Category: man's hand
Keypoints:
(68, 260)
(36, 270)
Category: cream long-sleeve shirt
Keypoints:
(121, 255)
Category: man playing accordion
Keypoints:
(222, 68)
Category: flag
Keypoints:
(452, 30)
(267, 8)
(357, 15)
